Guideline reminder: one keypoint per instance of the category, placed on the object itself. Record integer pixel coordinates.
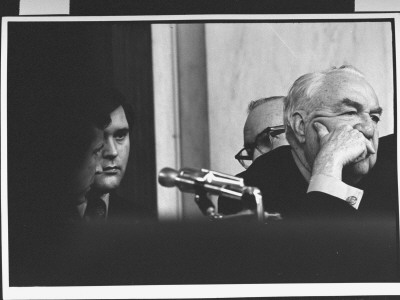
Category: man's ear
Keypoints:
(298, 125)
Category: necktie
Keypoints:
(95, 210)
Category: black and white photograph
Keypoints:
(212, 152)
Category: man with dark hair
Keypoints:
(64, 137)
(103, 200)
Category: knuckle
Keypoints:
(356, 133)
(346, 127)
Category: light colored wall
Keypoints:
(250, 61)
(206, 74)
(193, 110)
(166, 116)
(181, 113)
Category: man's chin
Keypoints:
(106, 186)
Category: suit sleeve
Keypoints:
(320, 205)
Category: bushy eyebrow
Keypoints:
(359, 106)
(377, 110)
(124, 131)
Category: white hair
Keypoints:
(301, 94)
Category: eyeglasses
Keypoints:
(245, 155)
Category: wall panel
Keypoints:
(247, 61)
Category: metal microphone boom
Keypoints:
(203, 181)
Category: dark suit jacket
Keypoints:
(121, 209)
(284, 188)
(361, 242)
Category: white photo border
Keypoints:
(174, 291)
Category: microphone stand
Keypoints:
(204, 182)
(251, 197)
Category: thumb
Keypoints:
(370, 147)
(321, 129)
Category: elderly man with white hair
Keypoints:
(328, 171)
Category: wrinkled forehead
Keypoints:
(345, 85)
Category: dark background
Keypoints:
(182, 7)
(42, 55)
(211, 253)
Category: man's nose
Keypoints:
(366, 126)
(110, 149)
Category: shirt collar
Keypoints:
(82, 206)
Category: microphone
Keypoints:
(203, 181)
(195, 181)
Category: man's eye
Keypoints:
(250, 151)
(375, 118)
(121, 135)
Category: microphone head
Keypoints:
(167, 177)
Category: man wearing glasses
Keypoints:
(334, 189)
(328, 171)
(263, 132)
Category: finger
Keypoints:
(321, 129)
(370, 147)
